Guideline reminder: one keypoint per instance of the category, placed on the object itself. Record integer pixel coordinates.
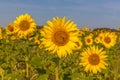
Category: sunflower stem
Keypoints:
(56, 74)
(2, 73)
(27, 68)
(2, 77)
(26, 60)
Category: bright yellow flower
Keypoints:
(100, 36)
(81, 33)
(24, 25)
(60, 36)
(93, 59)
(97, 40)
(109, 39)
(10, 29)
(79, 45)
(89, 40)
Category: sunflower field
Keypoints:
(58, 50)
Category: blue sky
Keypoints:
(90, 13)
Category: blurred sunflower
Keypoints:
(79, 45)
(93, 59)
(81, 32)
(24, 25)
(89, 40)
(10, 29)
(97, 40)
(60, 36)
(100, 36)
(109, 39)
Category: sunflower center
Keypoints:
(78, 44)
(24, 25)
(94, 59)
(88, 40)
(107, 40)
(10, 28)
(60, 38)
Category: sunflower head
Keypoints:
(97, 40)
(59, 36)
(10, 29)
(109, 39)
(79, 45)
(24, 25)
(93, 59)
(81, 32)
(89, 40)
(100, 36)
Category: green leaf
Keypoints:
(43, 77)
(36, 61)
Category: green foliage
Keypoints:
(21, 59)
(42, 77)
(35, 61)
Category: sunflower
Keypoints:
(81, 32)
(100, 36)
(109, 39)
(93, 59)
(97, 40)
(10, 29)
(60, 36)
(89, 40)
(79, 45)
(24, 25)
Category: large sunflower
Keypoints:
(24, 25)
(109, 39)
(60, 36)
(93, 59)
